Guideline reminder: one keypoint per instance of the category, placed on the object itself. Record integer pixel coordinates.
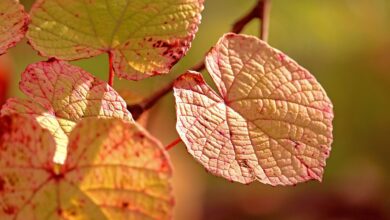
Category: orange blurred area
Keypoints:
(346, 45)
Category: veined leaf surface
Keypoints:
(114, 171)
(271, 121)
(145, 37)
(60, 95)
(13, 24)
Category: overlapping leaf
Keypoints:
(60, 96)
(145, 38)
(114, 171)
(272, 121)
(13, 24)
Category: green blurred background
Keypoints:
(346, 45)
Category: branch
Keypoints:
(137, 109)
(261, 11)
(264, 16)
(239, 25)
(199, 67)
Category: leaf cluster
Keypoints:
(73, 150)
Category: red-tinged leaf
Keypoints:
(271, 121)
(114, 171)
(13, 24)
(5, 78)
(60, 96)
(145, 38)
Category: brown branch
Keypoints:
(261, 11)
(137, 109)
(264, 16)
(199, 67)
(239, 25)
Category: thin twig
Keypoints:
(139, 108)
(111, 75)
(239, 25)
(261, 11)
(199, 67)
(264, 16)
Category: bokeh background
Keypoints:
(346, 45)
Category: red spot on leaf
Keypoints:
(9, 210)
(172, 49)
(164, 166)
(125, 204)
(281, 57)
(2, 184)
(59, 211)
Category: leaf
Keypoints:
(271, 122)
(13, 24)
(5, 78)
(114, 171)
(145, 38)
(60, 96)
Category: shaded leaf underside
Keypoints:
(272, 121)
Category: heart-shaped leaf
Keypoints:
(272, 121)
(114, 171)
(60, 96)
(13, 24)
(145, 38)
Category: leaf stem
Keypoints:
(174, 143)
(261, 11)
(111, 75)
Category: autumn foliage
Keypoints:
(86, 156)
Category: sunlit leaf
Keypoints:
(114, 171)
(145, 38)
(60, 96)
(13, 24)
(271, 121)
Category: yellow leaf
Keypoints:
(145, 38)
(114, 171)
